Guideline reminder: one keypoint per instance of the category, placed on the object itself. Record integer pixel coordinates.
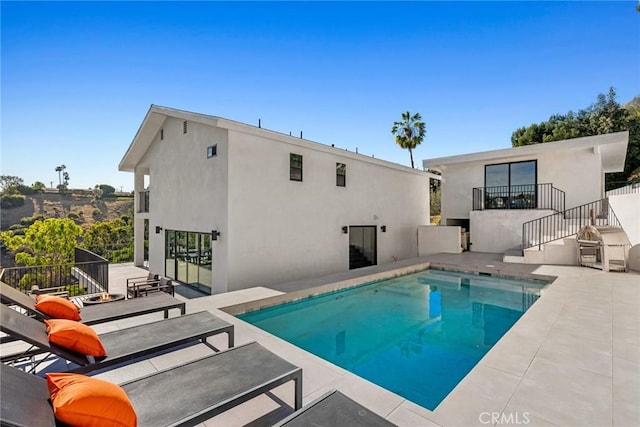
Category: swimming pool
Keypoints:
(416, 335)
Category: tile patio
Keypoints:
(573, 359)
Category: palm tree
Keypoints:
(59, 169)
(409, 132)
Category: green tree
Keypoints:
(48, 242)
(112, 240)
(38, 187)
(606, 115)
(10, 184)
(107, 190)
(409, 132)
(60, 169)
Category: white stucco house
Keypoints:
(498, 195)
(229, 206)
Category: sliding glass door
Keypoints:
(188, 258)
(511, 185)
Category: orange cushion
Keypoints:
(75, 336)
(57, 307)
(79, 400)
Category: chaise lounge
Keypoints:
(122, 345)
(185, 395)
(334, 409)
(100, 313)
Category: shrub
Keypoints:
(8, 201)
(75, 290)
(107, 190)
(28, 220)
(96, 213)
(74, 216)
(17, 227)
(26, 190)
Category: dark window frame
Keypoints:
(184, 127)
(212, 151)
(535, 174)
(295, 171)
(341, 174)
(492, 192)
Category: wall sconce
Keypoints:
(214, 234)
(345, 230)
(158, 229)
(383, 228)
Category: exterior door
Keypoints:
(362, 246)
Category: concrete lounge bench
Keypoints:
(185, 395)
(101, 313)
(122, 345)
(334, 409)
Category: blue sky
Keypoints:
(78, 78)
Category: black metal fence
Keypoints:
(530, 196)
(567, 223)
(89, 274)
(93, 270)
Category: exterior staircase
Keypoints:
(552, 239)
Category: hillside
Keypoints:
(83, 209)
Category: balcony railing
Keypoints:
(530, 196)
(88, 274)
(143, 201)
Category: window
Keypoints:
(295, 167)
(511, 185)
(161, 134)
(341, 175)
(212, 151)
(184, 127)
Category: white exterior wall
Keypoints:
(627, 210)
(577, 172)
(281, 230)
(458, 182)
(188, 192)
(435, 239)
(496, 230)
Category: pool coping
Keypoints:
(358, 280)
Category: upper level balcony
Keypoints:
(143, 201)
(530, 196)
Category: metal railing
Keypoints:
(567, 223)
(94, 270)
(88, 274)
(627, 189)
(530, 196)
(143, 201)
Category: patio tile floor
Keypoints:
(572, 359)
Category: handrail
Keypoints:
(567, 223)
(528, 196)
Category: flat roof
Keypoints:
(612, 148)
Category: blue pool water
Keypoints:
(416, 335)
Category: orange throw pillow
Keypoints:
(75, 336)
(57, 307)
(79, 400)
